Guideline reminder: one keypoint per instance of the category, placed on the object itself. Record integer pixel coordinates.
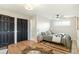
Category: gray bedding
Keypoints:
(65, 39)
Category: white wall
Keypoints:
(33, 28)
(43, 24)
(34, 20)
(78, 32)
(15, 15)
(78, 38)
(72, 30)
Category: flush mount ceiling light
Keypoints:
(30, 6)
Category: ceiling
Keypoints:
(46, 10)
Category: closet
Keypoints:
(22, 29)
(6, 30)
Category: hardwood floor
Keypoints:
(19, 48)
(52, 48)
(44, 47)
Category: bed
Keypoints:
(58, 38)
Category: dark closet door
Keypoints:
(0, 38)
(22, 29)
(25, 29)
(6, 30)
(19, 37)
(4, 38)
(11, 30)
(0, 30)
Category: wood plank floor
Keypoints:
(19, 47)
(25, 46)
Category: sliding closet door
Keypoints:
(6, 30)
(22, 29)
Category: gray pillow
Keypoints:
(43, 33)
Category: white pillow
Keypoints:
(56, 39)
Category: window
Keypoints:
(62, 23)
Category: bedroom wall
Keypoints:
(72, 30)
(78, 32)
(40, 21)
(33, 28)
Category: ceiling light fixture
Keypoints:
(58, 17)
(30, 6)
